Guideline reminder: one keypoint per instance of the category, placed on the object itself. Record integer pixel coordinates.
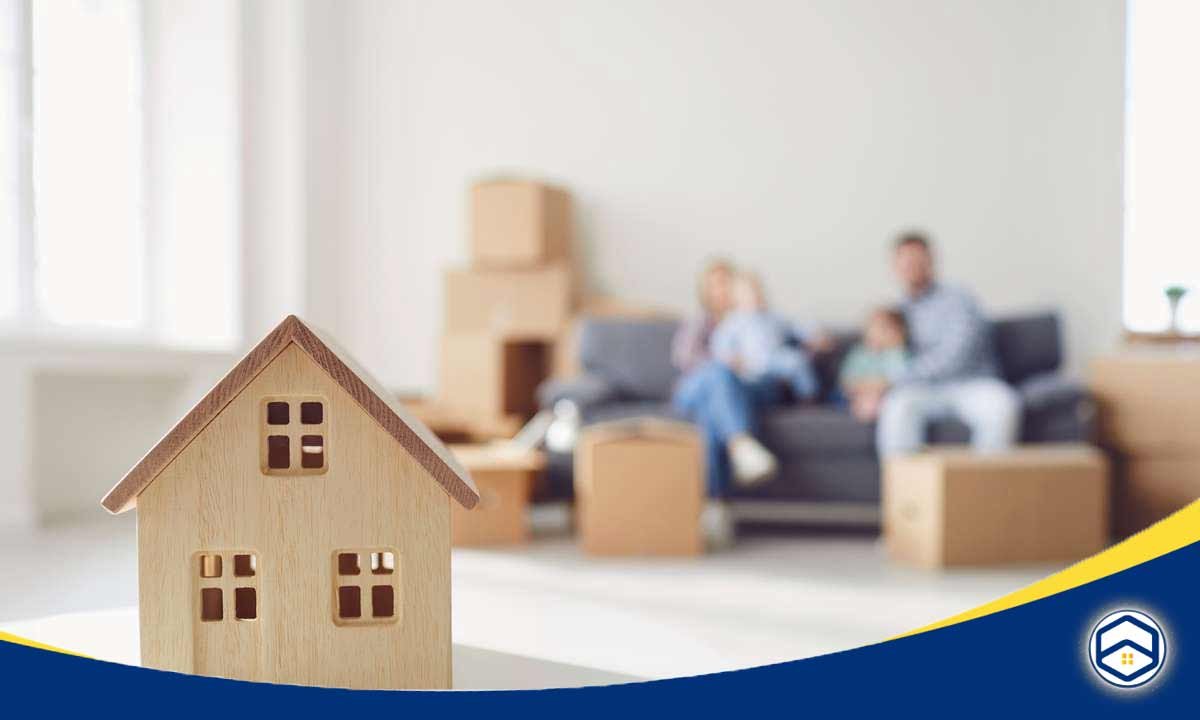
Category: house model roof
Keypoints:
(426, 449)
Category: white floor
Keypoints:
(768, 600)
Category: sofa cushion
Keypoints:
(634, 356)
(817, 430)
(802, 430)
(1027, 345)
(836, 478)
(626, 409)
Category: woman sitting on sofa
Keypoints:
(724, 404)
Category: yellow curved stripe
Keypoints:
(18, 640)
(1178, 530)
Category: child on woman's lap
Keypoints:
(876, 363)
(758, 344)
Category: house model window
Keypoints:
(227, 585)
(366, 587)
(295, 436)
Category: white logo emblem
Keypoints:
(1127, 648)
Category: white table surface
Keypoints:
(113, 635)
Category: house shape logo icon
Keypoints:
(1127, 648)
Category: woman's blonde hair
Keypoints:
(715, 265)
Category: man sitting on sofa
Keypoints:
(953, 372)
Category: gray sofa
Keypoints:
(828, 467)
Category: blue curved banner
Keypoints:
(1037, 659)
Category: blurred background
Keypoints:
(178, 175)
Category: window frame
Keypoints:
(226, 581)
(29, 319)
(365, 580)
(295, 430)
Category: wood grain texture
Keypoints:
(375, 494)
(424, 447)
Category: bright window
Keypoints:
(120, 169)
(87, 162)
(13, 76)
(1162, 164)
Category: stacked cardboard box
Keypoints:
(505, 312)
(1150, 422)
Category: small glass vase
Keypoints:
(1175, 295)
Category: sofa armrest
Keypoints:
(584, 390)
(1057, 410)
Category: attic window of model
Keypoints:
(294, 436)
(227, 585)
(366, 587)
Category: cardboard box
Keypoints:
(504, 478)
(639, 488)
(1149, 489)
(1040, 503)
(519, 224)
(488, 378)
(1149, 402)
(457, 426)
(519, 303)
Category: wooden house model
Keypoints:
(294, 527)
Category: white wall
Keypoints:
(274, 208)
(88, 431)
(797, 137)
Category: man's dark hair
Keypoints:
(914, 238)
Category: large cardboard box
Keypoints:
(519, 224)
(1149, 489)
(525, 303)
(486, 377)
(639, 488)
(948, 507)
(504, 477)
(1149, 402)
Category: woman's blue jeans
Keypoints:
(723, 405)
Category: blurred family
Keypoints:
(927, 358)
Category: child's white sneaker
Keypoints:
(716, 522)
(751, 462)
